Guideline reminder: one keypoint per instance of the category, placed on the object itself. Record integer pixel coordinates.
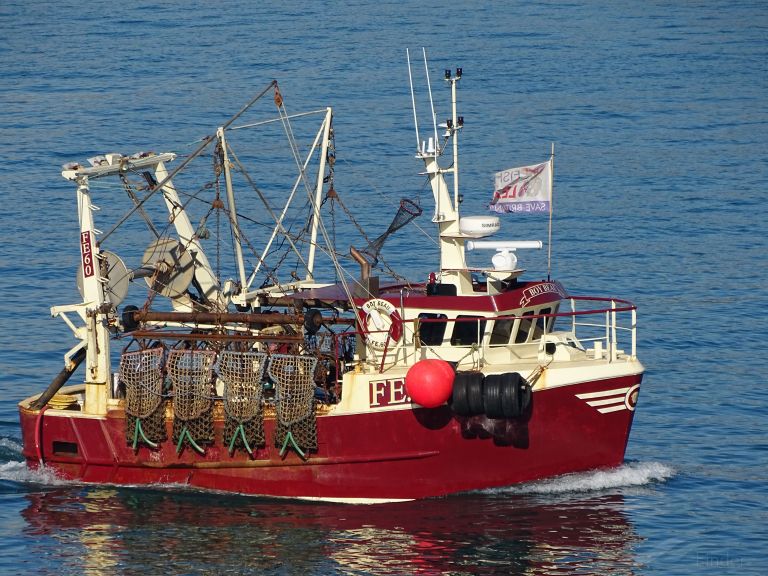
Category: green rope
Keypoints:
(240, 430)
(185, 434)
(139, 430)
(298, 449)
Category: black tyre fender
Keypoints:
(475, 393)
(492, 390)
(467, 394)
(510, 397)
(524, 395)
(458, 400)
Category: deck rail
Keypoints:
(605, 326)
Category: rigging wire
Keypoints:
(389, 200)
(199, 150)
(341, 273)
(132, 195)
(278, 221)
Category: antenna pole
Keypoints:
(413, 99)
(431, 103)
(435, 144)
(551, 207)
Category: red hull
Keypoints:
(384, 455)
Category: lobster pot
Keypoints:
(242, 374)
(295, 425)
(141, 372)
(190, 372)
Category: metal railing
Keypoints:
(601, 323)
(611, 325)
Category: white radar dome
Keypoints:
(479, 226)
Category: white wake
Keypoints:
(626, 475)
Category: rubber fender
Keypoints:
(492, 389)
(524, 395)
(475, 394)
(510, 394)
(467, 396)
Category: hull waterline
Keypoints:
(391, 455)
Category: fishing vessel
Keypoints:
(341, 384)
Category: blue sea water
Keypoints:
(659, 114)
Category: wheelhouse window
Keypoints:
(432, 333)
(541, 322)
(467, 332)
(502, 331)
(551, 321)
(531, 329)
(524, 328)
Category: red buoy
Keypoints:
(429, 382)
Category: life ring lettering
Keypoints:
(381, 323)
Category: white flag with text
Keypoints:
(527, 189)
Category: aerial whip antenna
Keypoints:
(413, 99)
(431, 103)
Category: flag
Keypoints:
(527, 189)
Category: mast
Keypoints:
(232, 207)
(204, 274)
(453, 268)
(455, 134)
(279, 228)
(318, 196)
(95, 306)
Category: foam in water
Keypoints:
(19, 472)
(16, 471)
(10, 445)
(628, 474)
